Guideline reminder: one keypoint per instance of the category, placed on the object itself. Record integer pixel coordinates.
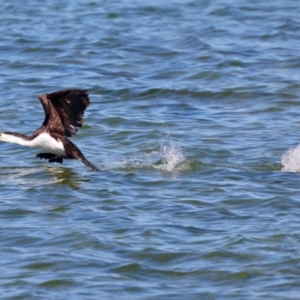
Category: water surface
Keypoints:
(194, 122)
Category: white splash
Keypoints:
(291, 160)
(169, 158)
(172, 158)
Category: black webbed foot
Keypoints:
(57, 159)
(51, 157)
(45, 155)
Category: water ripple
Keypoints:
(194, 124)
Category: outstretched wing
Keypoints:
(64, 111)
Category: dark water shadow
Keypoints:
(66, 176)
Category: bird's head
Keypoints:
(5, 137)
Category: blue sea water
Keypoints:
(194, 123)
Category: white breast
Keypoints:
(43, 141)
(47, 143)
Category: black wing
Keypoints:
(64, 111)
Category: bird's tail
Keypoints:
(89, 164)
